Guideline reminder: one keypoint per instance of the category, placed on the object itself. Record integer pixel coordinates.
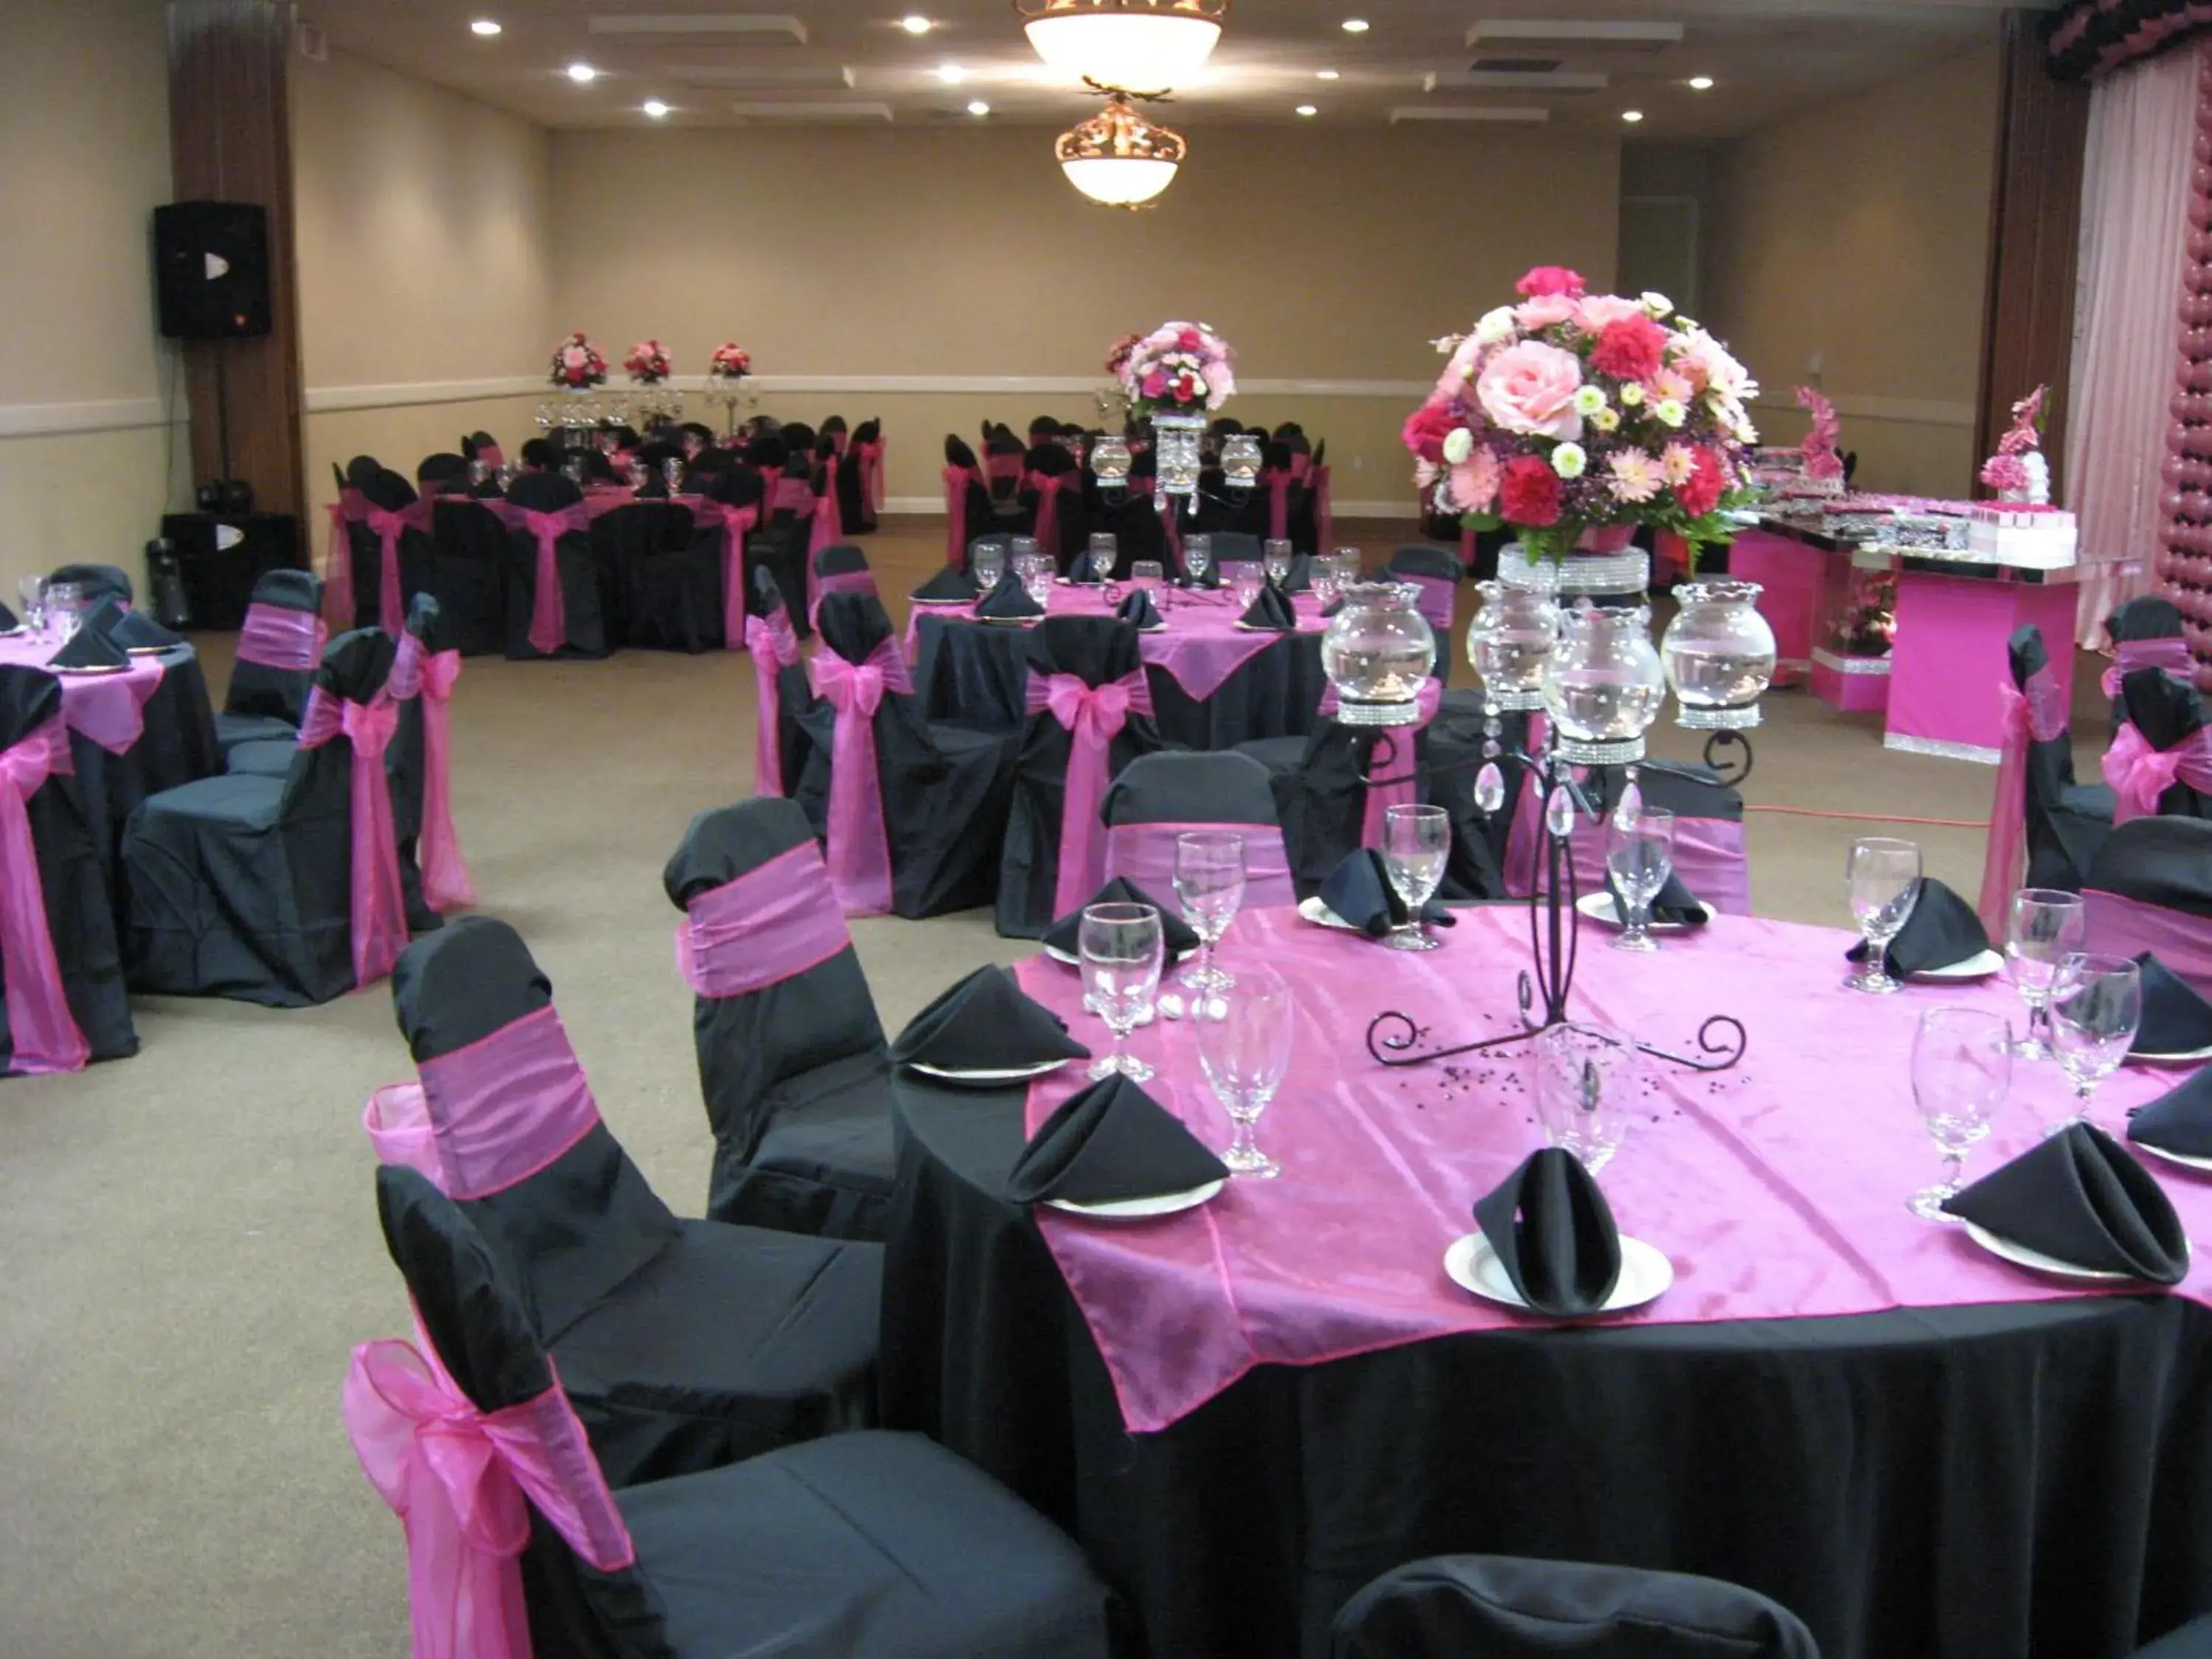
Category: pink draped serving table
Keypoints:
(1949, 668)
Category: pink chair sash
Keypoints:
(737, 523)
(956, 480)
(1300, 464)
(859, 847)
(774, 647)
(549, 615)
(2171, 653)
(337, 561)
(42, 1030)
(391, 615)
(457, 1479)
(848, 582)
(379, 921)
(2037, 717)
(1145, 853)
(1048, 487)
(445, 881)
(2139, 773)
(498, 1111)
(1398, 786)
(871, 473)
(1003, 469)
(2128, 927)
(769, 925)
(1091, 716)
(1279, 504)
(276, 637)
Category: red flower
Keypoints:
(1530, 494)
(1188, 339)
(1425, 430)
(1700, 493)
(1551, 279)
(1631, 349)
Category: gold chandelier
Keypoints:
(1118, 158)
(1130, 46)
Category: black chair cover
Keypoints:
(264, 703)
(468, 575)
(72, 871)
(855, 508)
(780, 545)
(390, 491)
(1497, 1607)
(405, 770)
(1072, 517)
(2192, 1641)
(99, 581)
(2151, 616)
(2167, 712)
(798, 438)
(795, 1075)
(584, 618)
(685, 1344)
(239, 885)
(1419, 559)
(1097, 649)
(2067, 822)
(1174, 786)
(660, 575)
(2165, 861)
(442, 474)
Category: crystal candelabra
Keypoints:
(1179, 458)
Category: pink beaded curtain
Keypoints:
(2185, 559)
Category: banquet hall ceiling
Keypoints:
(718, 63)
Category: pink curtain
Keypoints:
(2135, 185)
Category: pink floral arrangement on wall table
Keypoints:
(2018, 468)
(1818, 449)
(649, 362)
(1178, 368)
(731, 361)
(577, 363)
(1573, 415)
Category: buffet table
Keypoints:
(1246, 1410)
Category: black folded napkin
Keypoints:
(103, 616)
(1676, 905)
(1359, 891)
(1271, 610)
(1332, 608)
(1110, 1141)
(2180, 1120)
(1139, 608)
(2175, 1019)
(1085, 572)
(950, 586)
(1008, 600)
(135, 629)
(9, 622)
(89, 649)
(1941, 932)
(2080, 1197)
(1299, 579)
(1065, 935)
(986, 1024)
(1553, 1233)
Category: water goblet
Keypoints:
(1021, 548)
(1209, 885)
(1198, 556)
(479, 475)
(1120, 948)
(64, 609)
(31, 591)
(1105, 552)
(1961, 1072)
(1244, 583)
(1347, 566)
(671, 474)
(2043, 925)
(1244, 1049)
(639, 475)
(1275, 560)
(2094, 1010)
(1586, 1085)
(1147, 574)
(1639, 856)
(1324, 582)
(1416, 844)
(1883, 878)
(989, 558)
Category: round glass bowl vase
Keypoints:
(1718, 654)
(1603, 684)
(1377, 653)
(1508, 641)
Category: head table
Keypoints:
(1246, 1410)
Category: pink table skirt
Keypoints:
(1777, 1189)
(108, 709)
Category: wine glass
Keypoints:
(671, 474)
(1884, 881)
(1105, 550)
(1347, 566)
(64, 609)
(1639, 856)
(479, 475)
(1121, 946)
(31, 591)
(1961, 1072)
(989, 558)
(1416, 843)
(1586, 1085)
(2095, 1009)
(1275, 560)
(639, 475)
(1023, 548)
(1244, 1048)
(2043, 925)
(1209, 885)
(1244, 583)
(1148, 574)
(1324, 582)
(1197, 556)
(1036, 578)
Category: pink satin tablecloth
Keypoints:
(108, 709)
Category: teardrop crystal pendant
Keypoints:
(1631, 807)
(1489, 788)
(1559, 813)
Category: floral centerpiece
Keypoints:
(2018, 471)
(1179, 368)
(1573, 415)
(577, 364)
(731, 361)
(648, 363)
(1818, 449)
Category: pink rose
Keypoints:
(1599, 309)
(1425, 430)
(1475, 481)
(1543, 311)
(1551, 280)
(1153, 383)
(1530, 388)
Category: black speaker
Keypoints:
(219, 557)
(211, 269)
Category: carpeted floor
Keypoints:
(188, 1240)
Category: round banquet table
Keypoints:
(1918, 1448)
(1213, 685)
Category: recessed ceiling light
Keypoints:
(916, 25)
(979, 108)
(1308, 109)
(656, 109)
(485, 26)
(583, 74)
(1631, 116)
(1325, 74)
(1701, 83)
(952, 74)
(1355, 26)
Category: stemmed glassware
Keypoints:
(1148, 574)
(2043, 925)
(1105, 552)
(1244, 583)
(1244, 1046)
(1883, 876)
(479, 475)
(1416, 844)
(1022, 548)
(990, 562)
(1961, 1072)
(1209, 885)
(63, 609)
(1324, 582)
(639, 475)
(1586, 1082)
(1275, 559)
(31, 591)
(1639, 856)
(2095, 1010)
(1121, 946)
(671, 474)
(1197, 556)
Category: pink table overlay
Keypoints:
(108, 709)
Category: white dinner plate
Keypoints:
(2186, 1160)
(1645, 1273)
(916, 598)
(1136, 1209)
(2036, 1261)
(1600, 909)
(2194, 1057)
(1321, 915)
(95, 668)
(988, 1078)
(1008, 622)
(1974, 967)
(1255, 628)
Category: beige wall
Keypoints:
(1859, 233)
(84, 380)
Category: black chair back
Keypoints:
(260, 690)
(2151, 616)
(2064, 830)
(99, 581)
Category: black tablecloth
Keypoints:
(176, 745)
(976, 675)
(2033, 1479)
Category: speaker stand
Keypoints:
(222, 410)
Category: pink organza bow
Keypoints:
(1046, 485)
(1279, 504)
(860, 856)
(2139, 773)
(445, 881)
(775, 648)
(389, 526)
(379, 907)
(337, 561)
(41, 1031)
(871, 473)
(956, 480)
(2171, 653)
(2004, 857)
(1091, 716)
(548, 617)
(737, 522)
(457, 1479)
(275, 636)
